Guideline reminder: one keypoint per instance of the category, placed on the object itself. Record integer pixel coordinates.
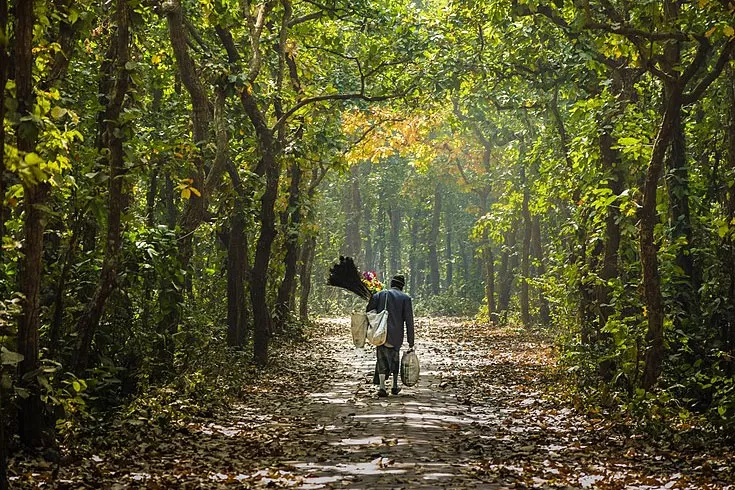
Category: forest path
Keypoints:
(480, 417)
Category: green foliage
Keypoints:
(446, 304)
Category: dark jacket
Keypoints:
(400, 312)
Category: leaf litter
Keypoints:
(480, 417)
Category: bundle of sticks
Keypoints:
(346, 276)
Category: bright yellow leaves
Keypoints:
(381, 133)
(187, 189)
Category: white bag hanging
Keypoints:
(359, 326)
(377, 330)
(410, 368)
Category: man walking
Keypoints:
(400, 313)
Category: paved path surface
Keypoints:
(417, 439)
(403, 441)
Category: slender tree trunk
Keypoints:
(167, 195)
(648, 249)
(150, 221)
(525, 253)
(236, 265)
(268, 166)
(677, 184)
(448, 254)
(506, 271)
(413, 251)
(380, 241)
(284, 301)
(352, 215)
(4, 73)
(369, 254)
(488, 261)
(307, 259)
(57, 321)
(584, 261)
(396, 222)
(538, 255)
(172, 296)
(434, 280)
(30, 413)
(259, 275)
(729, 334)
(610, 269)
(150, 197)
(464, 254)
(113, 137)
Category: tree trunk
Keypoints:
(380, 268)
(413, 251)
(488, 261)
(677, 184)
(113, 137)
(236, 266)
(259, 276)
(396, 222)
(167, 195)
(352, 215)
(307, 260)
(285, 300)
(610, 270)
(525, 252)
(506, 271)
(729, 333)
(648, 249)
(30, 413)
(538, 255)
(4, 73)
(268, 166)
(466, 259)
(448, 255)
(57, 321)
(172, 296)
(434, 280)
(369, 253)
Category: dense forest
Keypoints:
(179, 175)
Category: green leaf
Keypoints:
(32, 159)
(9, 357)
(58, 112)
(22, 392)
(73, 16)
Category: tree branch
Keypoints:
(233, 56)
(632, 33)
(306, 18)
(321, 98)
(703, 84)
(256, 31)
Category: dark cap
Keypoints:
(398, 281)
